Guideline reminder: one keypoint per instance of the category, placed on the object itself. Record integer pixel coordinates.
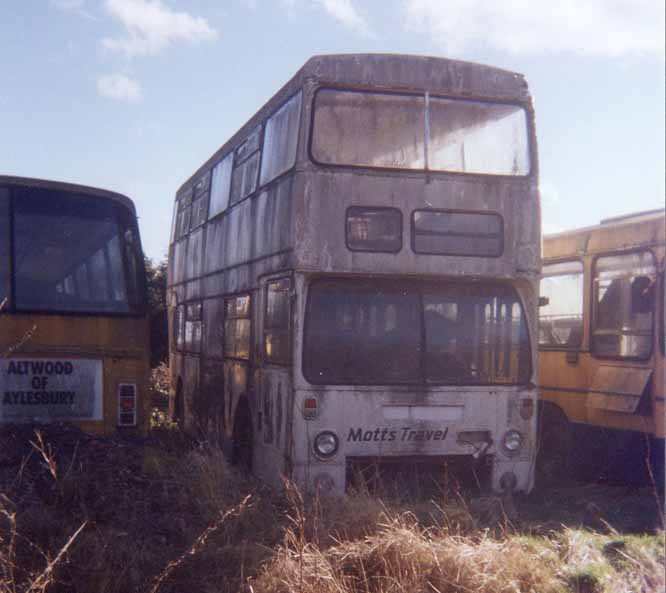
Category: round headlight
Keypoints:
(512, 441)
(326, 444)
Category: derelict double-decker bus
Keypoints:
(354, 275)
(74, 340)
(601, 337)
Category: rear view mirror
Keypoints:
(543, 301)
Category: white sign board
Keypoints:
(47, 389)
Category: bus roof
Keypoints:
(394, 72)
(68, 187)
(612, 234)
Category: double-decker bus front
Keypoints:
(353, 275)
(74, 333)
(416, 286)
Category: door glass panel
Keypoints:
(561, 320)
(624, 293)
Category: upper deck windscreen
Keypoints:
(71, 253)
(399, 131)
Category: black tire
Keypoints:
(555, 445)
(242, 437)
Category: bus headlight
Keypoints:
(512, 441)
(326, 444)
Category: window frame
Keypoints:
(593, 305)
(456, 211)
(227, 299)
(564, 348)
(529, 128)
(289, 329)
(264, 124)
(402, 224)
(179, 327)
(228, 155)
(187, 347)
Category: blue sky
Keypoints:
(133, 95)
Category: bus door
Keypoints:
(274, 385)
(237, 392)
(191, 349)
(564, 361)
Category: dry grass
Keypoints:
(168, 515)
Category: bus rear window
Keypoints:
(390, 130)
(400, 333)
(75, 253)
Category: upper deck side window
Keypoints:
(623, 305)
(183, 210)
(220, 186)
(200, 201)
(561, 320)
(246, 167)
(4, 248)
(418, 132)
(281, 140)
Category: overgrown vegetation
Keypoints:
(166, 514)
(156, 280)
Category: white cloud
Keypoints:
(549, 193)
(151, 26)
(346, 14)
(343, 11)
(74, 7)
(550, 229)
(120, 88)
(606, 27)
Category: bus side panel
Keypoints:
(120, 344)
(190, 374)
(211, 403)
(273, 388)
(612, 435)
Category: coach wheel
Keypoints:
(242, 437)
(553, 462)
(179, 407)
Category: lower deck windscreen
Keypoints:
(372, 333)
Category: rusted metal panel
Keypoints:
(320, 223)
(618, 389)
(119, 345)
(620, 235)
